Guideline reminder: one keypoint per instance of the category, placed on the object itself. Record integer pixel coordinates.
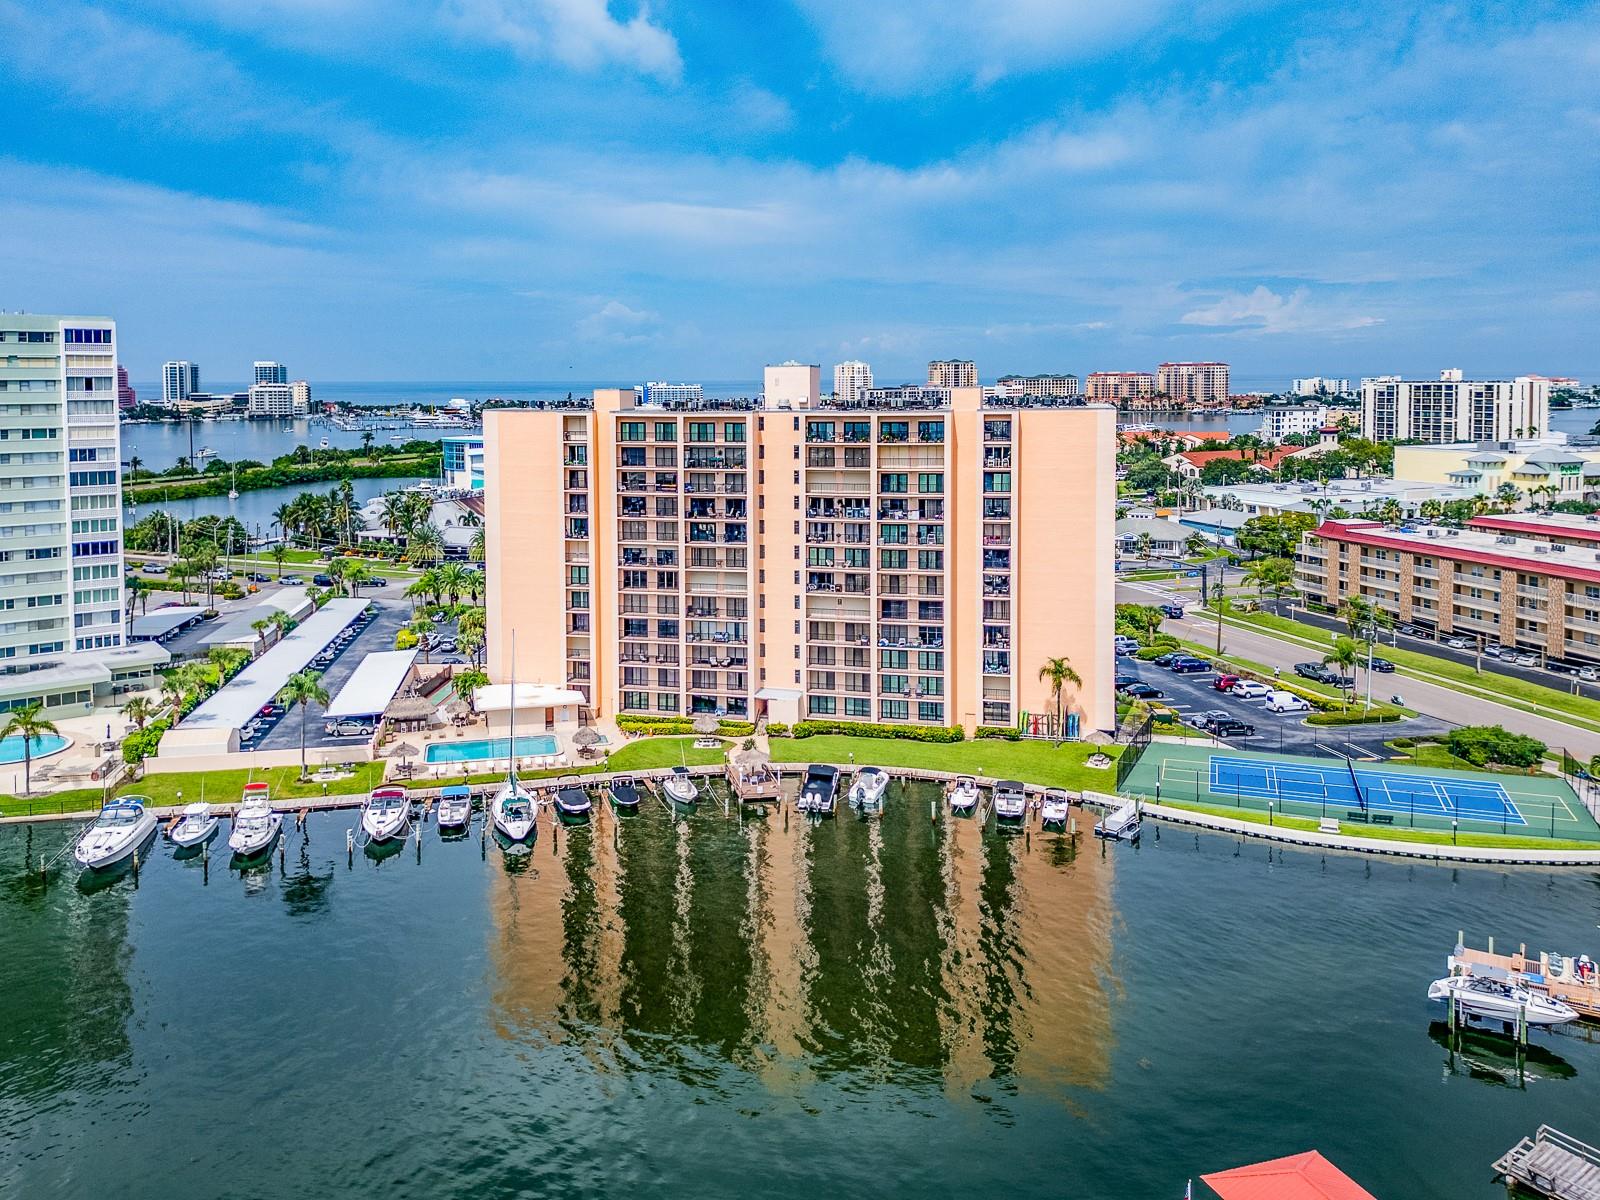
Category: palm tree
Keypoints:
(139, 710)
(303, 688)
(393, 515)
(366, 442)
(134, 464)
(1344, 655)
(476, 549)
(467, 683)
(283, 517)
(1144, 542)
(337, 569)
(227, 659)
(425, 544)
(173, 691)
(27, 724)
(261, 625)
(452, 580)
(280, 555)
(282, 622)
(1057, 672)
(355, 575)
(421, 626)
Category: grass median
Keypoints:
(1479, 841)
(1038, 762)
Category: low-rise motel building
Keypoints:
(904, 558)
(1523, 579)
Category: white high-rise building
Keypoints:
(1055, 386)
(1200, 382)
(1453, 409)
(661, 392)
(178, 379)
(300, 396)
(271, 372)
(850, 380)
(792, 385)
(276, 400)
(61, 590)
(1316, 385)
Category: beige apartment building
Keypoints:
(881, 561)
(1196, 382)
(1120, 385)
(953, 373)
(1527, 581)
(1062, 387)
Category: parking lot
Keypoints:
(391, 616)
(1192, 695)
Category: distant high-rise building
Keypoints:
(661, 392)
(1318, 386)
(178, 379)
(276, 400)
(300, 397)
(1057, 386)
(1454, 409)
(792, 385)
(850, 379)
(952, 373)
(1121, 385)
(271, 372)
(126, 396)
(1198, 382)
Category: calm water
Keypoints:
(256, 508)
(896, 1008)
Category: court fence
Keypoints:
(1139, 738)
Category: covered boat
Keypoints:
(624, 793)
(571, 798)
(455, 808)
(1010, 801)
(820, 790)
(120, 828)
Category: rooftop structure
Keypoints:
(1306, 1176)
(372, 684)
(792, 385)
(1546, 468)
(1353, 495)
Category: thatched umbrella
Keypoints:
(705, 724)
(585, 740)
(751, 759)
(404, 751)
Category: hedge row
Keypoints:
(1006, 732)
(674, 726)
(138, 746)
(910, 733)
(1356, 716)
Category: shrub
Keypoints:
(999, 731)
(1403, 743)
(1484, 744)
(777, 729)
(912, 733)
(136, 747)
(1357, 716)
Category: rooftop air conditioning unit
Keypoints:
(1541, 549)
(1432, 532)
(1506, 541)
(1558, 547)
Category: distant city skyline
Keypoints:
(532, 189)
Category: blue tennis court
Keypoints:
(1379, 791)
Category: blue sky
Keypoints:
(549, 189)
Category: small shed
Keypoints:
(1306, 1176)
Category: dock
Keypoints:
(1552, 1164)
(1571, 979)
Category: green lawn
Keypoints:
(1487, 841)
(1035, 762)
(1504, 688)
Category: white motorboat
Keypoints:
(820, 790)
(964, 794)
(1123, 825)
(867, 789)
(455, 808)
(1010, 801)
(1055, 808)
(571, 798)
(681, 787)
(255, 825)
(197, 825)
(386, 815)
(512, 811)
(121, 828)
(1490, 994)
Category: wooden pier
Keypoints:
(1561, 977)
(1552, 1164)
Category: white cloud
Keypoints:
(616, 324)
(1265, 311)
(580, 33)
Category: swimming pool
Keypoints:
(45, 743)
(454, 752)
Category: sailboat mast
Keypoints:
(511, 750)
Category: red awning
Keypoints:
(1306, 1176)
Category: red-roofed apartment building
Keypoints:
(1530, 581)
(1192, 463)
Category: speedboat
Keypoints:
(867, 789)
(455, 808)
(1010, 801)
(571, 798)
(624, 793)
(197, 825)
(386, 816)
(120, 829)
(820, 789)
(255, 825)
(1490, 994)
(1124, 825)
(964, 794)
(1055, 807)
(512, 811)
(680, 786)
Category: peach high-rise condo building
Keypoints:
(1193, 382)
(1120, 385)
(952, 373)
(904, 560)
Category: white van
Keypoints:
(1125, 644)
(1286, 702)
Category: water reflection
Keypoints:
(898, 948)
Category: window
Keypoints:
(702, 431)
(896, 481)
(997, 481)
(930, 431)
(88, 337)
(893, 560)
(733, 431)
(666, 431)
(897, 534)
(857, 706)
(894, 660)
(930, 483)
(822, 705)
(894, 710)
(929, 711)
(930, 560)
(930, 660)
(631, 431)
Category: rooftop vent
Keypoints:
(1541, 549)
(1558, 547)
(1432, 532)
(1506, 541)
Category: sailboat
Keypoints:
(512, 810)
(233, 483)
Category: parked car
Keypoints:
(1142, 691)
(1588, 674)
(1526, 660)
(1208, 719)
(1455, 643)
(1249, 689)
(155, 568)
(1233, 727)
(1121, 681)
(219, 574)
(1190, 666)
(1166, 660)
(1171, 610)
(1315, 672)
(294, 581)
(1494, 649)
(321, 579)
(447, 646)
(1286, 702)
(259, 577)
(348, 727)
(1122, 644)
(271, 710)
(1224, 682)
(376, 581)
(1382, 666)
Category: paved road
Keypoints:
(1432, 699)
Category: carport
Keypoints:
(366, 694)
